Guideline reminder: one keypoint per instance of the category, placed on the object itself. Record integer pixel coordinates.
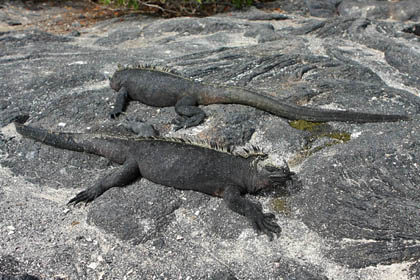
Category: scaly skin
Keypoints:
(176, 163)
(162, 89)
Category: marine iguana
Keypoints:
(163, 88)
(177, 163)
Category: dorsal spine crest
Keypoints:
(148, 67)
(245, 152)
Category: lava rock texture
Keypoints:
(356, 215)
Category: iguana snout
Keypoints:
(270, 178)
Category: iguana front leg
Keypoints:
(120, 102)
(260, 221)
(190, 114)
(123, 176)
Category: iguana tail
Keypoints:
(293, 112)
(79, 142)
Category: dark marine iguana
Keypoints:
(176, 163)
(162, 88)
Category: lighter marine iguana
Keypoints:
(177, 163)
(163, 88)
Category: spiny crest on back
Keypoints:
(148, 67)
(251, 151)
(244, 152)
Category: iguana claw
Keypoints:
(85, 196)
(115, 114)
(265, 224)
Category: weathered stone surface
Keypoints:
(405, 60)
(415, 270)
(397, 10)
(355, 214)
(401, 10)
(324, 9)
(135, 218)
(374, 200)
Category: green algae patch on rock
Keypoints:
(306, 125)
(319, 136)
(280, 205)
(318, 130)
(340, 136)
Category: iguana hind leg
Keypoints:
(123, 176)
(190, 114)
(260, 221)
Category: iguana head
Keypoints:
(269, 177)
(115, 81)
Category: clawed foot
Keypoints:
(84, 196)
(266, 224)
(179, 122)
(114, 114)
(140, 128)
(186, 122)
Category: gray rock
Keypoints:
(405, 60)
(397, 10)
(323, 9)
(415, 270)
(352, 215)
